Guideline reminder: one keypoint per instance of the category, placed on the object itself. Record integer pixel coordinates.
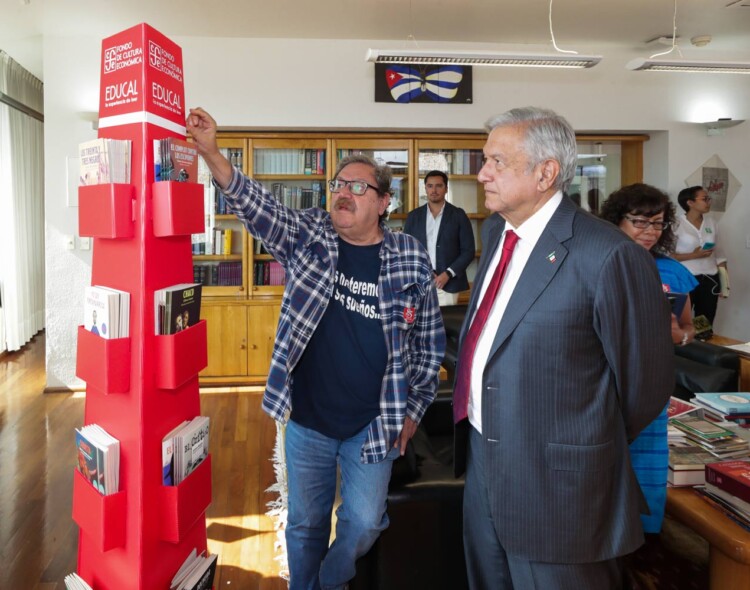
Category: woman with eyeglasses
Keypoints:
(646, 215)
(696, 249)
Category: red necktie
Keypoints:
(469, 346)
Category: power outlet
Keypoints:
(84, 243)
(70, 242)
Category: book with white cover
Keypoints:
(75, 582)
(191, 447)
(97, 309)
(167, 455)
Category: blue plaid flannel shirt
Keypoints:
(305, 243)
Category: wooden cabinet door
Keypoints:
(261, 333)
(227, 340)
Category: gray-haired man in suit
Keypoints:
(569, 360)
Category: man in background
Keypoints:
(356, 358)
(565, 341)
(445, 231)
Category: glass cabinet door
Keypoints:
(220, 253)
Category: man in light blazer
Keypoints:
(575, 358)
(445, 231)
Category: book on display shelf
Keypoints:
(175, 160)
(196, 573)
(75, 582)
(106, 312)
(98, 458)
(177, 308)
(183, 449)
(104, 160)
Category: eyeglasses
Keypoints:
(357, 187)
(640, 223)
(706, 199)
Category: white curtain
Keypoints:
(21, 206)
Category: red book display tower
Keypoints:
(141, 387)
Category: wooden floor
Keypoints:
(38, 538)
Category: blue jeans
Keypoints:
(311, 460)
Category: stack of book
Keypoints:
(176, 308)
(99, 458)
(104, 160)
(714, 438)
(107, 312)
(75, 582)
(687, 465)
(734, 407)
(175, 160)
(728, 489)
(183, 449)
(196, 573)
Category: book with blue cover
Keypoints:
(726, 403)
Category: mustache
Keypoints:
(344, 204)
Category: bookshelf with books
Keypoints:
(140, 385)
(220, 253)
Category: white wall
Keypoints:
(290, 83)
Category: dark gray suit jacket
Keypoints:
(581, 363)
(455, 242)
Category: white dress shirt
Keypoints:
(690, 237)
(432, 227)
(528, 233)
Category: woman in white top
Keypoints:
(697, 249)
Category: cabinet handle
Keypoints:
(254, 346)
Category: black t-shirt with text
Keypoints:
(337, 382)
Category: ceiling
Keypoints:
(576, 22)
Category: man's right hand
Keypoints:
(202, 129)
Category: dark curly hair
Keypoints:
(644, 200)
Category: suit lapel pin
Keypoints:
(551, 257)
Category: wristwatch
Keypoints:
(684, 339)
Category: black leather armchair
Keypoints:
(705, 367)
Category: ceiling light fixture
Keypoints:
(562, 59)
(697, 66)
(482, 58)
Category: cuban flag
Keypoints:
(407, 84)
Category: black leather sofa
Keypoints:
(422, 549)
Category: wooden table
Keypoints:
(744, 359)
(729, 544)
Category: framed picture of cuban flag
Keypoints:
(419, 83)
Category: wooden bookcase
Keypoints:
(242, 320)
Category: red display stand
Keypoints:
(141, 387)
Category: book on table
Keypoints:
(685, 478)
(727, 504)
(678, 407)
(687, 465)
(731, 476)
(701, 428)
(726, 403)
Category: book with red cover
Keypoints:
(731, 476)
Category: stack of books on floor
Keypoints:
(728, 489)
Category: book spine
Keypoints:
(728, 483)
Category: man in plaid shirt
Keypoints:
(358, 349)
